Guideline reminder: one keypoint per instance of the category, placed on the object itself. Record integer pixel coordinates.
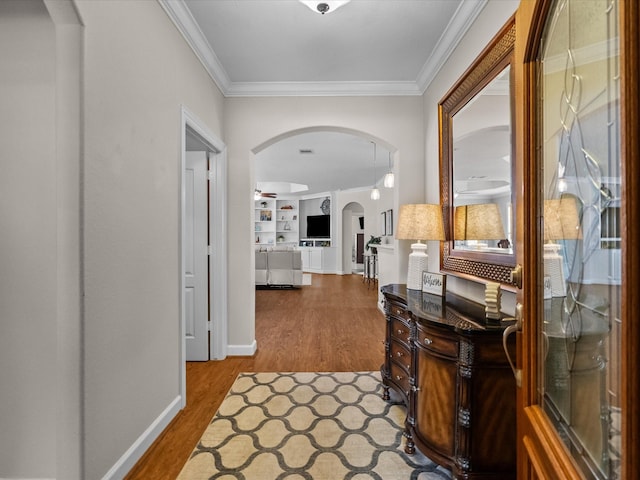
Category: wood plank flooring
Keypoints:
(331, 325)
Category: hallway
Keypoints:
(331, 325)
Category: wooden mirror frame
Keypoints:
(492, 60)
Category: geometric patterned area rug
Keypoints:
(307, 426)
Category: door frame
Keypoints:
(540, 449)
(217, 221)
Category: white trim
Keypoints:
(242, 350)
(182, 18)
(218, 259)
(319, 89)
(461, 21)
(127, 461)
(218, 279)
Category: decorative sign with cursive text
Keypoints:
(433, 283)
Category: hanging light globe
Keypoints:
(389, 180)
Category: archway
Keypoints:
(353, 237)
(365, 165)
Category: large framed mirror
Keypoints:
(476, 166)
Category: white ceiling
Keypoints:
(336, 161)
(281, 47)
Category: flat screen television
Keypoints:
(318, 226)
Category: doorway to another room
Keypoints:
(203, 282)
(353, 238)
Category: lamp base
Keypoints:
(418, 263)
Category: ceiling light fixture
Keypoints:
(389, 178)
(324, 7)
(375, 193)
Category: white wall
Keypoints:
(28, 262)
(487, 24)
(138, 72)
(250, 122)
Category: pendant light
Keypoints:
(375, 193)
(389, 178)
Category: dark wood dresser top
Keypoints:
(451, 310)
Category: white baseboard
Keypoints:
(144, 441)
(242, 350)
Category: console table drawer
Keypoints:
(400, 355)
(400, 331)
(400, 377)
(436, 342)
(398, 310)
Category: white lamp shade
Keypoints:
(375, 193)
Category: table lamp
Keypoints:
(419, 222)
(478, 222)
(561, 222)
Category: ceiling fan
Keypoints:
(260, 194)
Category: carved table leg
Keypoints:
(410, 446)
(385, 393)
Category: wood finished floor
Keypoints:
(331, 325)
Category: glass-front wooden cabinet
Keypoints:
(577, 69)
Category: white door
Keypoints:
(196, 259)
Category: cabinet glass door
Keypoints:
(578, 381)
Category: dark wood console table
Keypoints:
(448, 365)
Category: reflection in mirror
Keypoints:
(482, 168)
(476, 165)
(581, 323)
(474, 226)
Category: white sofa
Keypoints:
(279, 267)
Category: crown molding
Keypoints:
(461, 21)
(182, 18)
(310, 89)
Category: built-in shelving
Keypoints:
(276, 222)
(287, 222)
